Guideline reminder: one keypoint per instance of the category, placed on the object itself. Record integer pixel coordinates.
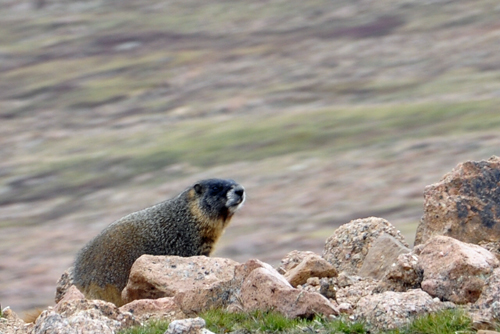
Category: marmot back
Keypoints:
(187, 225)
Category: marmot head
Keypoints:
(218, 198)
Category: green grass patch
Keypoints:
(150, 327)
(450, 321)
(443, 322)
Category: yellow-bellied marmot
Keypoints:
(187, 225)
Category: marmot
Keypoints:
(187, 225)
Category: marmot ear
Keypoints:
(197, 187)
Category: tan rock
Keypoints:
(263, 289)
(348, 246)
(310, 266)
(382, 255)
(83, 316)
(464, 205)
(11, 323)
(161, 308)
(391, 310)
(154, 277)
(493, 247)
(72, 293)
(63, 284)
(352, 293)
(454, 270)
(404, 274)
(486, 310)
(292, 259)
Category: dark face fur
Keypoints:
(220, 198)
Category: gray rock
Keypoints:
(486, 310)
(391, 310)
(404, 274)
(382, 255)
(464, 205)
(454, 270)
(348, 246)
(188, 326)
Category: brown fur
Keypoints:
(187, 225)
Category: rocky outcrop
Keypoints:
(347, 248)
(196, 284)
(454, 270)
(464, 205)
(391, 310)
(366, 271)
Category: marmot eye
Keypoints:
(216, 188)
(197, 188)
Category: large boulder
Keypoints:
(464, 205)
(190, 285)
(348, 246)
(153, 277)
(454, 270)
(391, 310)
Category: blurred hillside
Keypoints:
(326, 111)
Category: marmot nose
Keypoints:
(239, 191)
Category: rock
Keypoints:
(292, 260)
(71, 293)
(382, 255)
(464, 205)
(188, 326)
(404, 274)
(161, 308)
(344, 279)
(311, 265)
(391, 310)
(351, 294)
(11, 323)
(264, 289)
(348, 246)
(153, 277)
(64, 283)
(487, 332)
(454, 270)
(493, 247)
(199, 283)
(486, 310)
(83, 316)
